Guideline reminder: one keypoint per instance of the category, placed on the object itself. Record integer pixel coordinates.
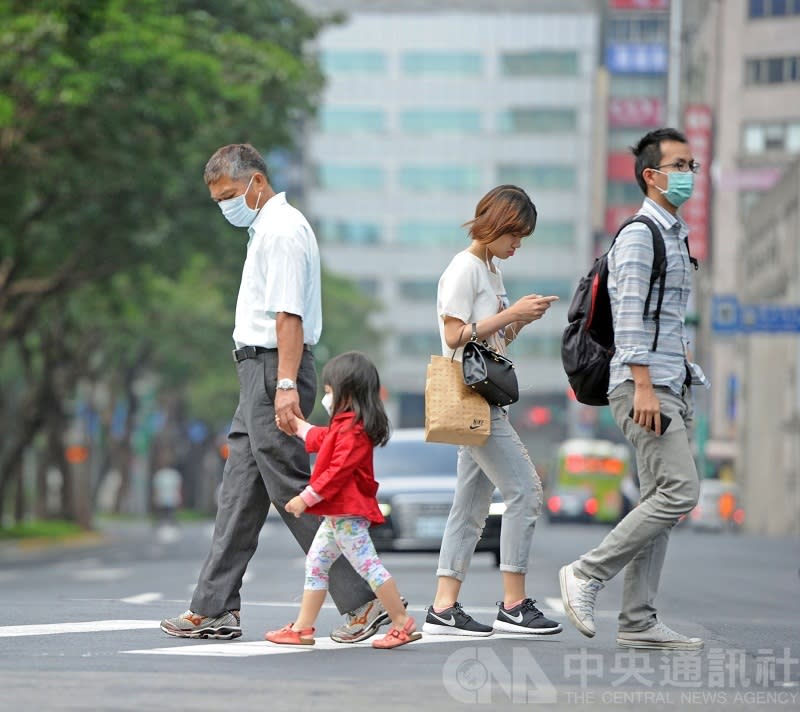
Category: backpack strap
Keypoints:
(657, 272)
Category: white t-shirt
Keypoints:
(281, 274)
(469, 291)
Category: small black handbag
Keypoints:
(489, 373)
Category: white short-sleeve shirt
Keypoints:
(281, 274)
(469, 291)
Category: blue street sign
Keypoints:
(729, 316)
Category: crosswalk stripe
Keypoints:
(17, 631)
(142, 598)
(253, 648)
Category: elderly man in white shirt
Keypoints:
(278, 320)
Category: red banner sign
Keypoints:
(697, 128)
(640, 5)
(631, 112)
(620, 166)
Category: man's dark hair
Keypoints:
(648, 151)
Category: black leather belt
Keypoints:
(252, 351)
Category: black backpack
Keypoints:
(588, 341)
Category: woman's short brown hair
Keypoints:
(504, 210)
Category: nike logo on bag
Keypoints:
(446, 621)
(476, 424)
(517, 618)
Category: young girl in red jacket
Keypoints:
(342, 489)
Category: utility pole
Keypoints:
(674, 75)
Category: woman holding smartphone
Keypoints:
(472, 303)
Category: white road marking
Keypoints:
(142, 598)
(17, 631)
(105, 574)
(249, 649)
(554, 604)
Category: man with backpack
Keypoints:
(649, 383)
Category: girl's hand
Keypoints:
(531, 307)
(296, 506)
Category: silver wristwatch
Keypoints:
(286, 384)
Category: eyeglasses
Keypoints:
(682, 166)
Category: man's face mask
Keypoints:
(236, 210)
(679, 187)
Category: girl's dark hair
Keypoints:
(506, 209)
(648, 151)
(356, 386)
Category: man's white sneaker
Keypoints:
(578, 596)
(658, 637)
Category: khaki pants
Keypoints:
(669, 488)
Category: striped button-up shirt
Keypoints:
(630, 262)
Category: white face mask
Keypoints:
(236, 210)
(327, 402)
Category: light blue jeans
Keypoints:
(502, 462)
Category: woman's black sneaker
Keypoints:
(524, 618)
(453, 621)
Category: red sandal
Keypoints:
(398, 636)
(288, 636)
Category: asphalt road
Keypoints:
(79, 631)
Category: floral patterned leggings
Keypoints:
(349, 536)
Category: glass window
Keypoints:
(523, 120)
(349, 177)
(339, 120)
(540, 176)
(772, 70)
(557, 234)
(757, 8)
(638, 86)
(621, 140)
(353, 62)
(419, 290)
(759, 138)
(448, 63)
(539, 63)
(623, 193)
(440, 121)
(793, 138)
(348, 232)
(638, 29)
(449, 178)
(422, 232)
(779, 7)
(753, 139)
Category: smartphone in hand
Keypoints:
(665, 421)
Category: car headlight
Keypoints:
(386, 508)
(497, 508)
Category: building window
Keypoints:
(542, 176)
(349, 177)
(539, 64)
(772, 70)
(422, 121)
(638, 29)
(773, 8)
(432, 233)
(348, 232)
(623, 193)
(442, 63)
(556, 234)
(761, 138)
(445, 178)
(419, 290)
(339, 120)
(634, 87)
(622, 140)
(353, 62)
(524, 120)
